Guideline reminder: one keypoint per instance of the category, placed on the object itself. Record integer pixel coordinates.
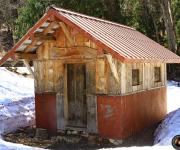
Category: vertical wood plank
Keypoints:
(92, 114)
(36, 76)
(101, 76)
(58, 74)
(144, 76)
(149, 78)
(165, 74)
(123, 78)
(50, 72)
(91, 77)
(141, 77)
(128, 78)
(114, 87)
(91, 97)
(152, 75)
(65, 95)
(60, 110)
(41, 67)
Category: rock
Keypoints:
(85, 134)
(92, 139)
(68, 132)
(116, 142)
(41, 134)
(61, 132)
(59, 138)
(68, 139)
(74, 132)
(54, 138)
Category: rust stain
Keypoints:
(122, 116)
(45, 107)
(109, 111)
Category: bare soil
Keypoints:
(78, 141)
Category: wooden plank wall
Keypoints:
(54, 54)
(146, 76)
(107, 85)
(105, 80)
(48, 75)
(50, 72)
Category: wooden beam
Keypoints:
(27, 56)
(27, 49)
(76, 50)
(113, 67)
(52, 26)
(67, 33)
(26, 63)
(42, 36)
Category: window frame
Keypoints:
(135, 73)
(159, 74)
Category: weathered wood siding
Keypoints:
(48, 75)
(106, 83)
(51, 72)
(104, 74)
(146, 76)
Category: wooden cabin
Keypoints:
(94, 75)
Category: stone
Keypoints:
(74, 132)
(68, 132)
(116, 142)
(92, 139)
(41, 133)
(84, 134)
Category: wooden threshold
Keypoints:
(76, 128)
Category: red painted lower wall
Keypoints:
(122, 116)
(45, 111)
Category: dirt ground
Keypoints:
(77, 142)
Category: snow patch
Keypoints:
(142, 148)
(16, 101)
(168, 129)
(12, 146)
(17, 114)
(170, 126)
(16, 106)
(173, 96)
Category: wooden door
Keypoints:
(76, 94)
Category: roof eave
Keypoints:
(52, 12)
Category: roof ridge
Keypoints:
(90, 17)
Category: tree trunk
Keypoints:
(167, 16)
(112, 10)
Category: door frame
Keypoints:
(66, 113)
(91, 98)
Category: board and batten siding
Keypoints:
(107, 85)
(146, 77)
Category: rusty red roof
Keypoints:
(122, 41)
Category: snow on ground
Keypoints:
(173, 96)
(171, 124)
(16, 101)
(17, 110)
(142, 148)
(16, 114)
(16, 105)
(13, 87)
(12, 146)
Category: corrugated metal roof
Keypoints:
(126, 41)
(122, 41)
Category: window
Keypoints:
(135, 77)
(157, 74)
